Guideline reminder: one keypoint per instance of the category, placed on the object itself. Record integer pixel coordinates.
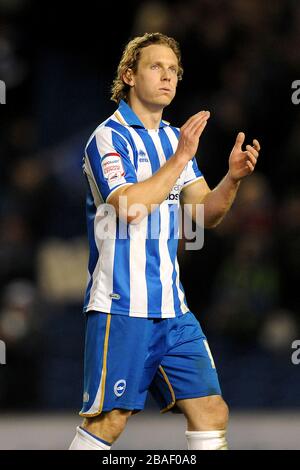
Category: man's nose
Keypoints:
(166, 75)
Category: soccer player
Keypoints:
(140, 333)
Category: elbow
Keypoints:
(136, 213)
(210, 225)
(134, 220)
(213, 217)
(131, 213)
(130, 218)
(126, 219)
(212, 222)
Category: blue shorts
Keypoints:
(125, 357)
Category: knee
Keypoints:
(116, 420)
(217, 412)
(209, 413)
(108, 425)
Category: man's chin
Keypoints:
(164, 101)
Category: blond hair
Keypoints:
(131, 56)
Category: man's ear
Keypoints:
(128, 77)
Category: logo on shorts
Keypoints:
(115, 296)
(86, 397)
(120, 387)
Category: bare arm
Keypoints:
(218, 201)
(150, 193)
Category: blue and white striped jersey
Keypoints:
(136, 274)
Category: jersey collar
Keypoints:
(129, 118)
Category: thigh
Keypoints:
(116, 348)
(187, 369)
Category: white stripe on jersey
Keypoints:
(97, 200)
(183, 307)
(94, 189)
(102, 286)
(166, 266)
(137, 266)
(172, 138)
(143, 171)
(95, 131)
(156, 140)
(114, 118)
(100, 290)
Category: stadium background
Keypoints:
(58, 60)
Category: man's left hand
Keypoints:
(242, 162)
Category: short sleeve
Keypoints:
(192, 172)
(107, 161)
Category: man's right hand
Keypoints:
(190, 134)
(154, 190)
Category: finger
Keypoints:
(192, 125)
(251, 158)
(239, 140)
(192, 129)
(198, 122)
(250, 166)
(256, 145)
(198, 131)
(199, 116)
(252, 150)
(193, 118)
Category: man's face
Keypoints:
(155, 80)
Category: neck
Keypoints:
(148, 114)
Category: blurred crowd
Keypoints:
(240, 58)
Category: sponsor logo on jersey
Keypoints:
(174, 194)
(120, 387)
(112, 166)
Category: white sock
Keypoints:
(84, 440)
(206, 440)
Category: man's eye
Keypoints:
(173, 70)
(154, 66)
